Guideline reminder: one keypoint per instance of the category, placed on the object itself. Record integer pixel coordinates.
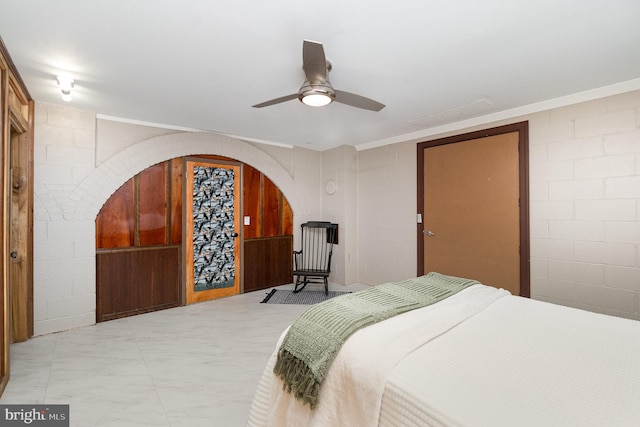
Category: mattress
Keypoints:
(479, 358)
(521, 362)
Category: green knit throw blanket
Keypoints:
(314, 339)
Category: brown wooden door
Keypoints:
(212, 243)
(20, 208)
(16, 204)
(473, 221)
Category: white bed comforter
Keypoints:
(479, 358)
(521, 363)
(351, 392)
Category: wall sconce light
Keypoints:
(66, 84)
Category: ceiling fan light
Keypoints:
(316, 95)
(316, 99)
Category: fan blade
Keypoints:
(314, 62)
(276, 101)
(358, 101)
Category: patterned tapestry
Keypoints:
(213, 231)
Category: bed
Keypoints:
(481, 357)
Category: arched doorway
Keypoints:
(141, 244)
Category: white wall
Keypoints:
(584, 185)
(584, 201)
(387, 209)
(76, 169)
(340, 205)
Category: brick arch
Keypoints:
(90, 195)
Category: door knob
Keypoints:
(429, 233)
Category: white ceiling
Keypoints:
(202, 64)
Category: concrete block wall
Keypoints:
(584, 206)
(64, 265)
(585, 200)
(387, 193)
(340, 205)
(71, 185)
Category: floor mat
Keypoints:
(283, 296)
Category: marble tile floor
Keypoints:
(197, 365)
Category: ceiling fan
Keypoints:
(317, 90)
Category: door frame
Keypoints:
(188, 296)
(522, 128)
(20, 221)
(16, 125)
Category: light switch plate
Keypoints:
(247, 220)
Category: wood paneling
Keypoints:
(149, 206)
(115, 222)
(147, 212)
(271, 218)
(152, 194)
(268, 262)
(287, 218)
(176, 201)
(137, 281)
(252, 201)
(136, 270)
(268, 246)
(265, 205)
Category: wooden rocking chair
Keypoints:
(312, 263)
